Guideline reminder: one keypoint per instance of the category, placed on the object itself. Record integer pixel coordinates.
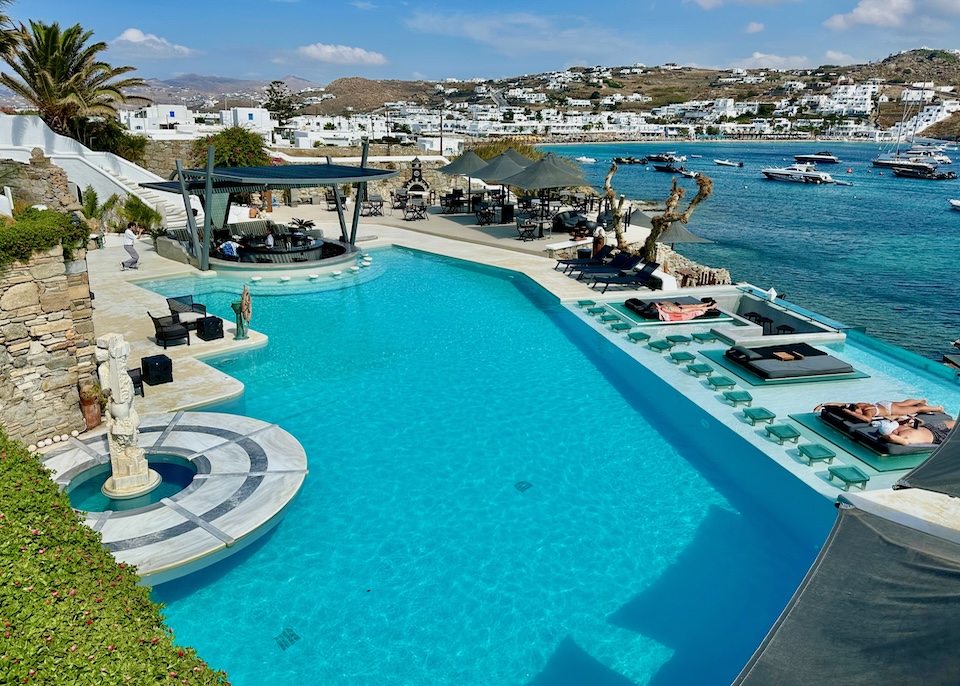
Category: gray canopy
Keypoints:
(499, 168)
(940, 472)
(678, 233)
(466, 165)
(517, 157)
(545, 173)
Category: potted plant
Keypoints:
(92, 404)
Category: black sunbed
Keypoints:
(647, 309)
(868, 435)
(787, 361)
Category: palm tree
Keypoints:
(61, 76)
(8, 33)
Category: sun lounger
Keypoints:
(787, 361)
(643, 277)
(613, 269)
(603, 255)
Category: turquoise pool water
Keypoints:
(489, 501)
(85, 494)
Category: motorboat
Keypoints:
(688, 173)
(928, 173)
(695, 157)
(955, 205)
(798, 173)
(666, 157)
(728, 163)
(670, 168)
(823, 157)
(630, 160)
(585, 160)
(925, 150)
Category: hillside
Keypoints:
(365, 95)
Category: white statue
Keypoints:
(131, 476)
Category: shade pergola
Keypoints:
(216, 184)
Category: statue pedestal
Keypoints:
(124, 487)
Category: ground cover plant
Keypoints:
(69, 613)
(36, 230)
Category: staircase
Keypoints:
(105, 172)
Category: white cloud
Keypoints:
(340, 54)
(838, 58)
(754, 27)
(136, 43)
(872, 12)
(759, 60)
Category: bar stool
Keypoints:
(766, 323)
(784, 329)
(752, 316)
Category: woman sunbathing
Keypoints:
(677, 312)
(891, 409)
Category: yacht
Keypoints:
(929, 173)
(667, 157)
(925, 150)
(955, 205)
(903, 161)
(728, 163)
(823, 157)
(798, 173)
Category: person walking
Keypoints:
(130, 237)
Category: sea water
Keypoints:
(881, 253)
(485, 503)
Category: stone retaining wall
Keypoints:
(47, 345)
(38, 183)
(160, 157)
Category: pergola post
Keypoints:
(361, 193)
(191, 220)
(207, 213)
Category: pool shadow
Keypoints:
(177, 589)
(570, 665)
(715, 604)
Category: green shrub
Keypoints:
(233, 147)
(69, 613)
(136, 211)
(36, 230)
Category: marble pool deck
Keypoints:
(248, 471)
(120, 306)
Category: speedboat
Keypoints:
(728, 163)
(798, 173)
(688, 173)
(670, 168)
(667, 157)
(585, 160)
(955, 205)
(929, 173)
(823, 157)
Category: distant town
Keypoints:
(580, 103)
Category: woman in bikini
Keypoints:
(672, 312)
(890, 409)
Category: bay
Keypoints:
(881, 253)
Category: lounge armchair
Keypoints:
(185, 311)
(602, 257)
(617, 265)
(169, 330)
(644, 277)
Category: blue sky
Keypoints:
(322, 40)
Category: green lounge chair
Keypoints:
(682, 356)
(706, 337)
(717, 382)
(758, 414)
(638, 336)
(850, 476)
(621, 326)
(737, 397)
(660, 346)
(700, 369)
(783, 432)
(678, 339)
(814, 452)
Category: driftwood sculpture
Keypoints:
(670, 215)
(609, 199)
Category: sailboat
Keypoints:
(921, 164)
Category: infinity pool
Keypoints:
(489, 502)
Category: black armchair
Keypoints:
(169, 330)
(185, 311)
